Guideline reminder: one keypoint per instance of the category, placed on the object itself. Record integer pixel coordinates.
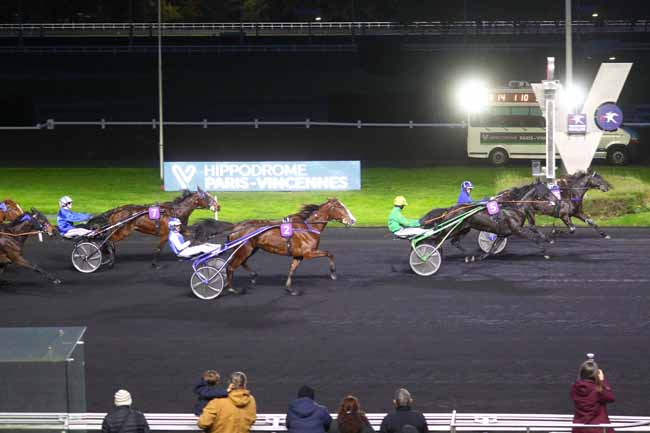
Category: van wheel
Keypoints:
(618, 156)
(498, 157)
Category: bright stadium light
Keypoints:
(317, 19)
(574, 97)
(472, 95)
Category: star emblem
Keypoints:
(578, 119)
(610, 117)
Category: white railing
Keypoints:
(440, 422)
(255, 123)
(325, 27)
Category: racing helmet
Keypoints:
(466, 184)
(64, 201)
(400, 200)
(173, 222)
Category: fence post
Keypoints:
(50, 123)
(358, 124)
(153, 123)
(257, 124)
(307, 123)
(205, 123)
(411, 124)
(103, 123)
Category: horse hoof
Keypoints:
(56, 281)
(333, 277)
(466, 259)
(292, 292)
(608, 237)
(551, 242)
(472, 259)
(234, 291)
(156, 266)
(547, 257)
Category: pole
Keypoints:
(550, 87)
(161, 144)
(568, 48)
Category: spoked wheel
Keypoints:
(86, 257)
(219, 264)
(486, 239)
(207, 282)
(425, 260)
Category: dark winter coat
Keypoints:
(334, 427)
(307, 416)
(591, 405)
(205, 393)
(404, 415)
(123, 419)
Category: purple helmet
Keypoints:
(466, 184)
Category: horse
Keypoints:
(9, 210)
(181, 208)
(514, 208)
(572, 191)
(307, 225)
(12, 241)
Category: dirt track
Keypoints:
(504, 335)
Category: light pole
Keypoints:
(161, 145)
(568, 46)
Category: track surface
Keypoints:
(503, 335)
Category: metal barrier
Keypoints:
(440, 422)
(307, 123)
(334, 28)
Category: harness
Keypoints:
(3, 207)
(287, 231)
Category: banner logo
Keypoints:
(183, 175)
(609, 117)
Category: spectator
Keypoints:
(207, 389)
(123, 419)
(235, 414)
(307, 416)
(590, 394)
(404, 416)
(351, 418)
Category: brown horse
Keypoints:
(13, 237)
(181, 208)
(573, 189)
(9, 210)
(307, 226)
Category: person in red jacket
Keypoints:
(590, 394)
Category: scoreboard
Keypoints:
(511, 97)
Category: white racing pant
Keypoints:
(198, 249)
(73, 233)
(408, 232)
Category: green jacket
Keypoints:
(396, 220)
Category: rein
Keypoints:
(15, 235)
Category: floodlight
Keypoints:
(612, 57)
(574, 97)
(594, 15)
(317, 19)
(472, 95)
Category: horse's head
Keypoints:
(206, 200)
(336, 210)
(595, 180)
(10, 210)
(39, 221)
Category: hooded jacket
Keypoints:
(307, 416)
(206, 392)
(464, 197)
(590, 405)
(235, 414)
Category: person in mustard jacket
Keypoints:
(234, 414)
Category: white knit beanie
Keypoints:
(123, 398)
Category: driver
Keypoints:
(401, 226)
(465, 195)
(66, 217)
(180, 246)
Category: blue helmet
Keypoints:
(466, 184)
(173, 222)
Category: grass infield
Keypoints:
(95, 190)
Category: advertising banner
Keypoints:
(264, 176)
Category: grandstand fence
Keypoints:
(440, 422)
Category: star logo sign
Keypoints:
(578, 119)
(609, 117)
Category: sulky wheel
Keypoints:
(219, 264)
(425, 260)
(486, 239)
(86, 257)
(207, 282)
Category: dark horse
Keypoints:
(514, 207)
(13, 237)
(307, 225)
(9, 210)
(572, 190)
(181, 208)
